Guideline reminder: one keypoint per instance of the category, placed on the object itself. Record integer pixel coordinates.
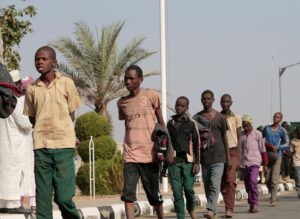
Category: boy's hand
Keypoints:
(164, 171)
(275, 149)
(229, 163)
(77, 141)
(196, 168)
(204, 135)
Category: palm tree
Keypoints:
(96, 65)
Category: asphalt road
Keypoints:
(288, 207)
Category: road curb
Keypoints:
(143, 208)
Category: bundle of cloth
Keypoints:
(8, 93)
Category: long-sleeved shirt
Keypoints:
(185, 137)
(277, 138)
(252, 147)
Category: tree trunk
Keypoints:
(101, 109)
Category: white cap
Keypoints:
(15, 74)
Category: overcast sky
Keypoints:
(226, 46)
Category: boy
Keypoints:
(214, 153)
(50, 103)
(185, 140)
(275, 138)
(228, 184)
(295, 149)
(139, 109)
(253, 153)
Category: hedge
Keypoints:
(105, 148)
(92, 124)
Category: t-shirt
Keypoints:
(215, 151)
(139, 115)
(51, 107)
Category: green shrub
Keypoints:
(104, 183)
(105, 148)
(92, 124)
(116, 171)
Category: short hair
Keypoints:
(49, 49)
(138, 70)
(208, 92)
(279, 113)
(226, 95)
(184, 98)
(284, 123)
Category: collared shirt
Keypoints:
(234, 122)
(51, 107)
(295, 149)
(138, 112)
(252, 147)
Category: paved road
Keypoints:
(288, 207)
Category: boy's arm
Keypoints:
(72, 115)
(225, 141)
(196, 148)
(196, 143)
(32, 121)
(159, 116)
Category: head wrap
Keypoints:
(8, 100)
(247, 118)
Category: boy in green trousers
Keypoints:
(50, 103)
(186, 142)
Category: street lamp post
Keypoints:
(281, 71)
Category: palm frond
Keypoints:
(96, 65)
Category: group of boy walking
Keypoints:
(221, 142)
(212, 139)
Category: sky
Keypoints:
(232, 46)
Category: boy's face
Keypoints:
(132, 80)
(277, 118)
(44, 62)
(226, 103)
(247, 127)
(207, 101)
(181, 107)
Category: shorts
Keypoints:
(149, 173)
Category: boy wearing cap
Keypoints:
(253, 153)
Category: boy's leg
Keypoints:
(150, 180)
(228, 185)
(205, 178)
(253, 189)
(275, 173)
(216, 172)
(176, 172)
(131, 174)
(297, 179)
(188, 185)
(64, 182)
(247, 183)
(43, 170)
